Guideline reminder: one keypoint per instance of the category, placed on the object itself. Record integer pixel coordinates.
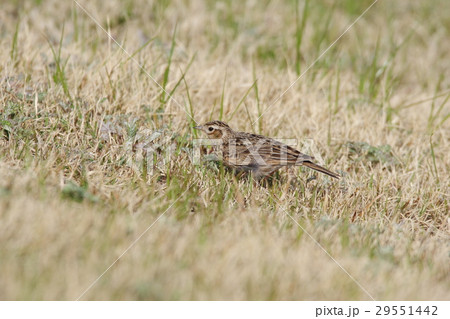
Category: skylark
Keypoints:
(254, 153)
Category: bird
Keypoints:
(256, 154)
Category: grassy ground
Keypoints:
(78, 116)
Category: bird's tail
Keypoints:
(320, 169)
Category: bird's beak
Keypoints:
(198, 127)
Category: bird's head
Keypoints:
(215, 129)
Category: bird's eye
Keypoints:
(210, 129)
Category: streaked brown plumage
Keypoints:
(254, 153)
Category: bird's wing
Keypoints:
(282, 154)
(252, 149)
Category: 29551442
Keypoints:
(406, 311)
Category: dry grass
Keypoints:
(76, 112)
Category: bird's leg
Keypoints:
(266, 180)
(289, 178)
